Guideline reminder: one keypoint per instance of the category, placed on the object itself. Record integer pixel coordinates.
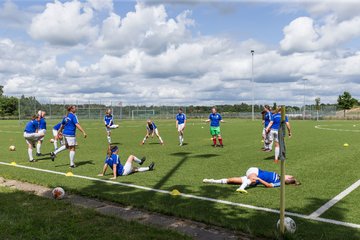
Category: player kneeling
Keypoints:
(113, 161)
(255, 176)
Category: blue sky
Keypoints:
(189, 52)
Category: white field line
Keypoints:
(324, 127)
(352, 225)
(336, 199)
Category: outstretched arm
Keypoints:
(266, 184)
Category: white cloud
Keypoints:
(100, 5)
(66, 23)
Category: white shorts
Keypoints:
(180, 127)
(155, 130)
(70, 141)
(108, 129)
(127, 169)
(42, 131)
(274, 135)
(251, 171)
(55, 132)
(32, 138)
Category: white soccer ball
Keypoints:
(58, 193)
(12, 148)
(290, 225)
(52, 140)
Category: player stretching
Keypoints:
(113, 161)
(151, 129)
(273, 130)
(56, 136)
(68, 130)
(42, 129)
(255, 176)
(266, 120)
(109, 124)
(180, 125)
(32, 135)
(215, 119)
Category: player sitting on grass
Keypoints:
(109, 124)
(273, 131)
(151, 129)
(113, 161)
(255, 176)
(32, 135)
(215, 119)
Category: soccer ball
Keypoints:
(290, 225)
(52, 140)
(12, 148)
(58, 193)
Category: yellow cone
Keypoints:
(13, 163)
(69, 174)
(346, 144)
(262, 141)
(175, 192)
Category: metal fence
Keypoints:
(95, 109)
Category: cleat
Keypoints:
(142, 160)
(276, 161)
(151, 166)
(72, 166)
(38, 154)
(180, 144)
(213, 145)
(221, 145)
(267, 150)
(241, 190)
(31, 160)
(52, 156)
(142, 143)
(208, 180)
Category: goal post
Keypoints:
(142, 114)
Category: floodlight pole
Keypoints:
(252, 84)
(304, 99)
(282, 184)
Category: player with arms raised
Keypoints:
(68, 129)
(180, 125)
(215, 119)
(109, 124)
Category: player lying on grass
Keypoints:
(273, 131)
(255, 176)
(151, 129)
(113, 161)
(32, 135)
(109, 124)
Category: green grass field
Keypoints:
(25, 216)
(315, 156)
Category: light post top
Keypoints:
(252, 52)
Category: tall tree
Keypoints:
(1, 90)
(346, 101)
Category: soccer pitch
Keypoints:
(315, 155)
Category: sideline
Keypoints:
(325, 127)
(352, 225)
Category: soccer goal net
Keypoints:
(142, 114)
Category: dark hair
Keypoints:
(33, 117)
(69, 107)
(111, 150)
(180, 109)
(267, 107)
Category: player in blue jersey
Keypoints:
(267, 118)
(109, 124)
(180, 125)
(32, 135)
(42, 129)
(68, 129)
(255, 176)
(55, 131)
(215, 119)
(273, 130)
(151, 130)
(113, 161)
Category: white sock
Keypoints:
(245, 182)
(62, 148)
(221, 181)
(30, 154)
(270, 145)
(143, 169)
(55, 144)
(109, 139)
(160, 139)
(137, 160)
(72, 156)
(38, 147)
(144, 139)
(180, 139)
(277, 152)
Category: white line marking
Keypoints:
(336, 199)
(324, 127)
(352, 225)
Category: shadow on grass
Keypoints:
(80, 163)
